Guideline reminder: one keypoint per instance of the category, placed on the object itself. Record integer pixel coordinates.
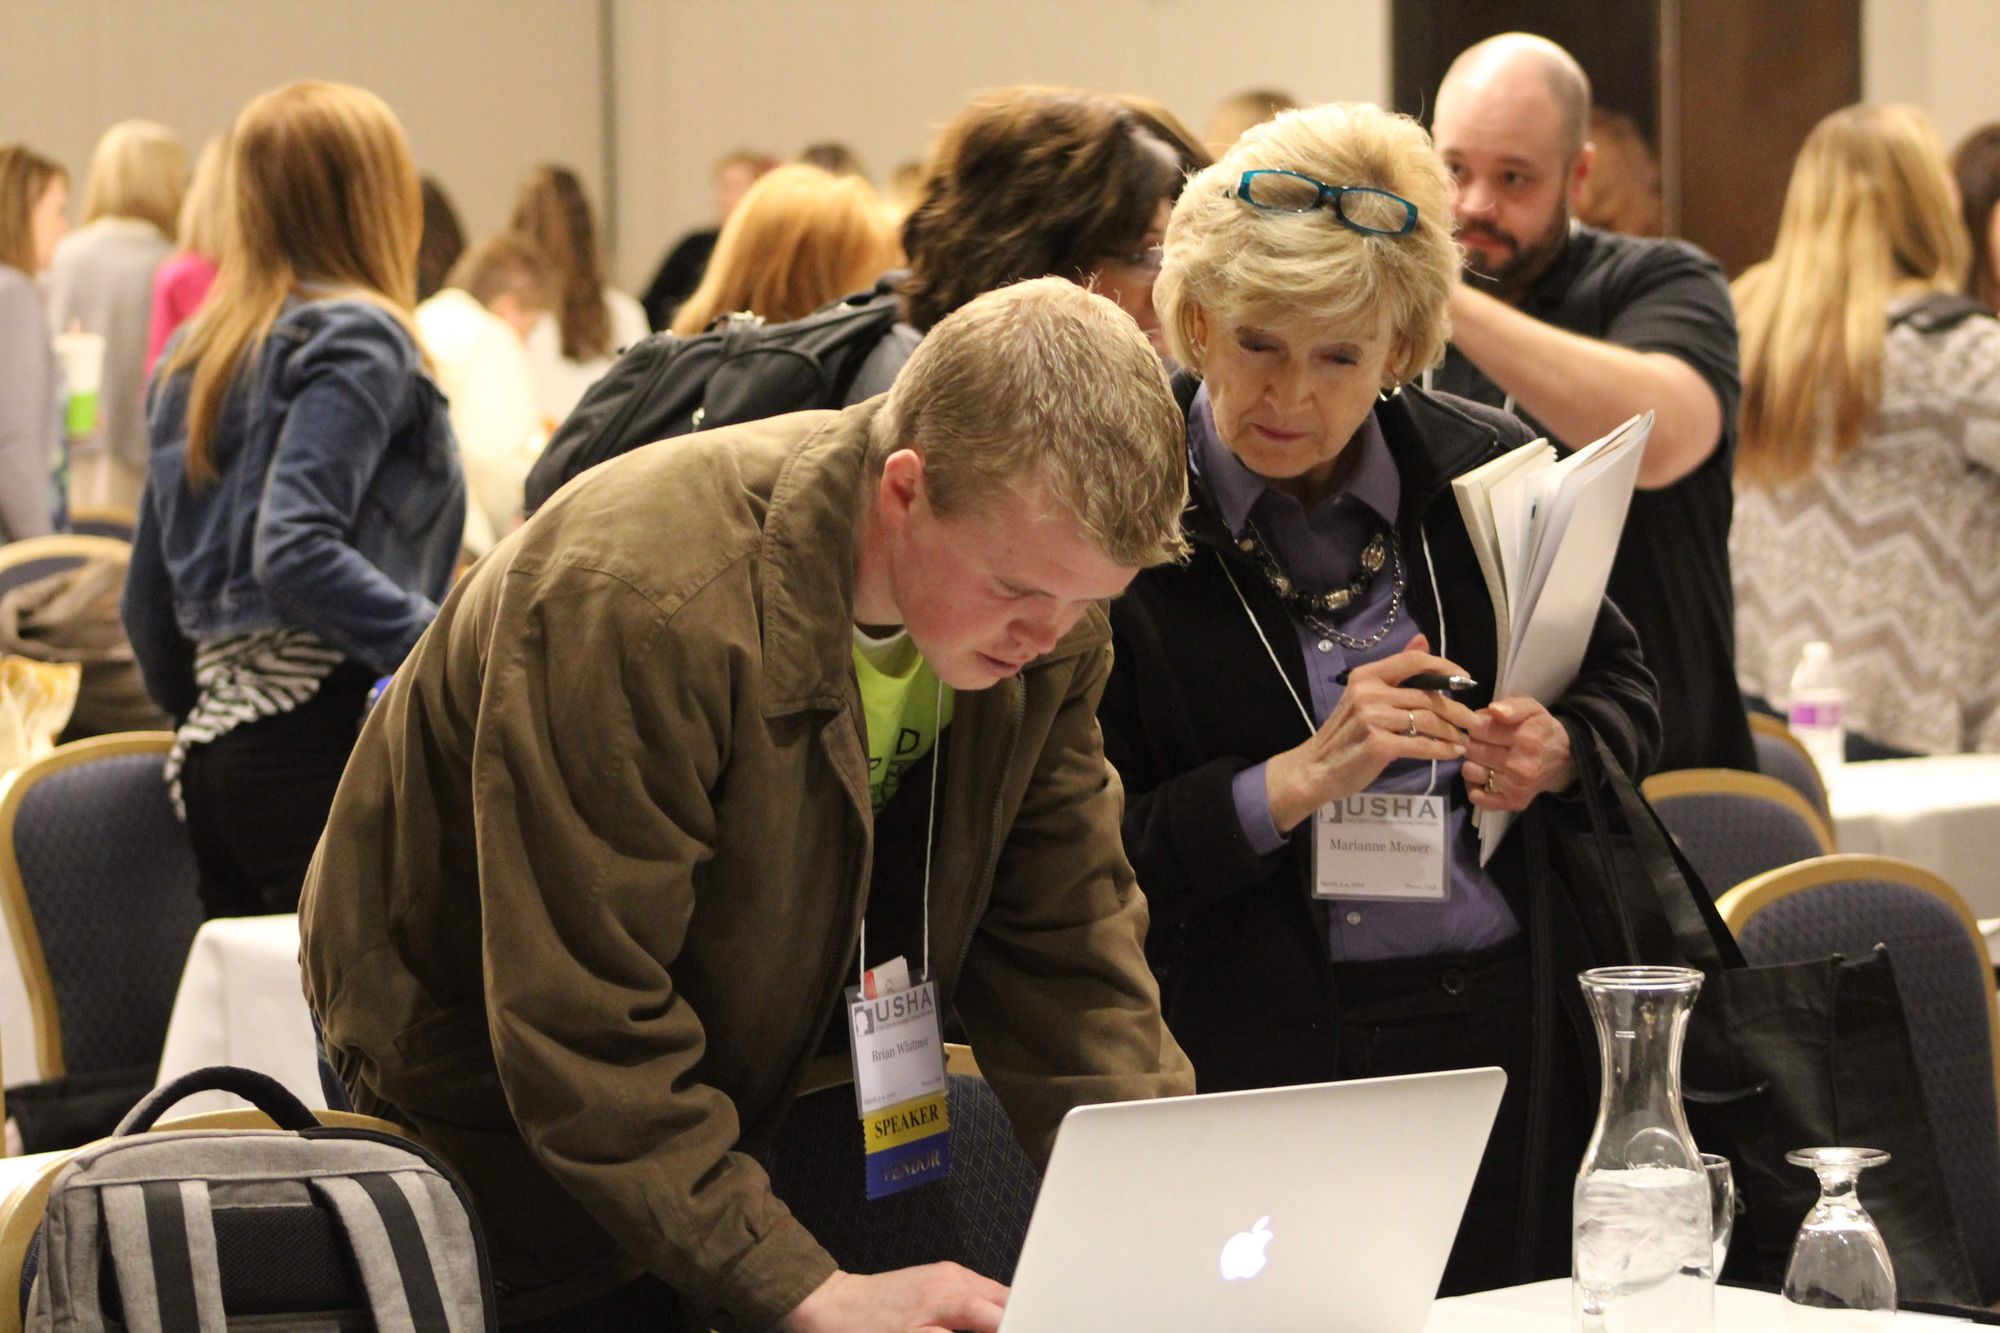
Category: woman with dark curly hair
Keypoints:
(1032, 182)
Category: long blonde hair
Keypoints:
(204, 219)
(1870, 210)
(800, 237)
(322, 190)
(553, 211)
(136, 172)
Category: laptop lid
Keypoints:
(1326, 1205)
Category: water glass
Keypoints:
(1721, 1204)
(1840, 1276)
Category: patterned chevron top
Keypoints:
(243, 678)
(1892, 555)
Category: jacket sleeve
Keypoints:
(1615, 696)
(1182, 832)
(344, 396)
(165, 656)
(1055, 992)
(600, 733)
(25, 489)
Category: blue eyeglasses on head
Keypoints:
(1360, 208)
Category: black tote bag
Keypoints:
(1778, 1057)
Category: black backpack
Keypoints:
(740, 369)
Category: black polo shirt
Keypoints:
(1671, 577)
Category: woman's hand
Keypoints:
(1376, 722)
(1515, 750)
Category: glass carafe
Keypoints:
(1641, 1250)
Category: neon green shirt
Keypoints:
(905, 707)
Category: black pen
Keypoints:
(1425, 680)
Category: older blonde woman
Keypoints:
(1258, 688)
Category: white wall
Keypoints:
(484, 87)
(697, 78)
(488, 87)
(1942, 55)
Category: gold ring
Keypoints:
(1489, 781)
(1413, 724)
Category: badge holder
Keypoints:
(899, 1082)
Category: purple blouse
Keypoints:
(1320, 548)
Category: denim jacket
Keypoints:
(338, 510)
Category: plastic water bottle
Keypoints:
(1818, 710)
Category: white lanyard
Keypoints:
(1312, 728)
(930, 835)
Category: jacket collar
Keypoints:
(807, 570)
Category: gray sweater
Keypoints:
(30, 410)
(102, 279)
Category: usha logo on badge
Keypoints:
(1374, 806)
(1243, 1254)
(889, 1010)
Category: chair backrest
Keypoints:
(1734, 825)
(33, 558)
(98, 881)
(1783, 756)
(1848, 905)
(978, 1215)
(103, 521)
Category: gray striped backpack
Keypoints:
(302, 1227)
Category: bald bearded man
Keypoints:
(1577, 329)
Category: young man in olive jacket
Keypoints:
(598, 870)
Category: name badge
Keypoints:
(1381, 845)
(899, 1085)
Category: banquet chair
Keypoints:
(1733, 825)
(103, 521)
(98, 882)
(1849, 904)
(977, 1215)
(22, 1208)
(32, 558)
(1784, 756)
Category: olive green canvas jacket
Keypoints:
(593, 879)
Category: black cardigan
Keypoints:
(1238, 942)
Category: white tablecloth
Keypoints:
(1942, 813)
(1544, 1308)
(241, 1002)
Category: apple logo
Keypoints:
(1243, 1255)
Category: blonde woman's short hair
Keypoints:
(1226, 262)
(137, 171)
(1045, 381)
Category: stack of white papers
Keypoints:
(1546, 532)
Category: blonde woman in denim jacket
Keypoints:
(303, 499)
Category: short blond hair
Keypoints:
(1227, 262)
(1044, 381)
(138, 171)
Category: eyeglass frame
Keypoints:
(1329, 199)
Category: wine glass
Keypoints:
(1840, 1275)
(1721, 1204)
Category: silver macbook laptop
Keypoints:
(1323, 1206)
